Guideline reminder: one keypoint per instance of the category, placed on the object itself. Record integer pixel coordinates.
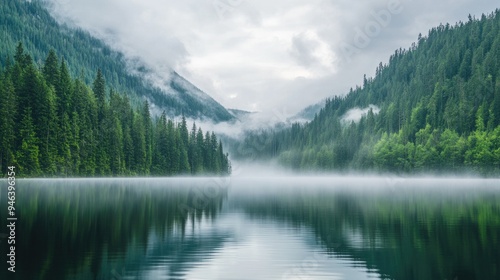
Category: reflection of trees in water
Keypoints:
(69, 227)
(400, 235)
(175, 254)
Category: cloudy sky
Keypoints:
(263, 55)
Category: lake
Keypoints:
(288, 227)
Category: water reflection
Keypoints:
(281, 228)
(103, 229)
(417, 229)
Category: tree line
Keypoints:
(54, 125)
(439, 106)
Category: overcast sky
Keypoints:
(262, 55)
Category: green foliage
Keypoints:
(53, 125)
(28, 153)
(8, 112)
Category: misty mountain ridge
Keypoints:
(30, 22)
(308, 113)
(240, 114)
(434, 107)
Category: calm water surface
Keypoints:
(255, 228)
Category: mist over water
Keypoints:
(272, 168)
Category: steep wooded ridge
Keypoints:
(439, 106)
(54, 125)
(29, 22)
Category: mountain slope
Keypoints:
(30, 23)
(439, 106)
(308, 113)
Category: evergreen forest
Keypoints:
(54, 125)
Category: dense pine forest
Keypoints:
(31, 23)
(54, 125)
(439, 106)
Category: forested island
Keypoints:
(54, 125)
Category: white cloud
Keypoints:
(262, 55)
(355, 114)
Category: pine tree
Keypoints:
(139, 141)
(200, 163)
(85, 107)
(148, 135)
(99, 89)
(51, 69)
(193, 153)
(184, 133)
(214, 162)
(64, 91)
(183, 144)
(28, 154)
(171, 149)
(208, 153)
(75, 145)
(38, 96)
(64, 147)
(115, 147)
(220, 160)
(184, 166)
(21, 58)
(160, 150)
(8, 111)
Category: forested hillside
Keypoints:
(54, 125)
(29, 22)
(439, 106)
